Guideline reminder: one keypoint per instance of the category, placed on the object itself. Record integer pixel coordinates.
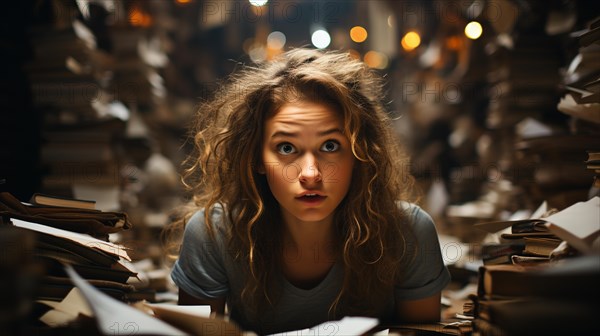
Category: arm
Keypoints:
(419, 311)
(201, 262)
(216, 305)
(418, 296)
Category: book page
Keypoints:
(542, 209)
(582, 219)
(166, 308)
(66, 310)
(80, 238)
(194, 319)
(348, 326)
(117, 318)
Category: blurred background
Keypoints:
(491, 98)
(497, 101)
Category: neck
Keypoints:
(300, 234)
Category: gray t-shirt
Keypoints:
(206, 270)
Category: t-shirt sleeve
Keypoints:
(426, 274)
(199, 270)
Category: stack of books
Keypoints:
(82, 123)
(556, 298)
(540, 278)
(523, 78)
(555, 171)
(546, 236)
(138, 42)
(581, 98)
(581, 80)
(593, 164)
(73, 235)
(81, 154)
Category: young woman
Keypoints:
(300, 213)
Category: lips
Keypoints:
(311, 197)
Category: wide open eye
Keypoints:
(286, 148)
(330, 146)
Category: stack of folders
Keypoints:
(75, 236)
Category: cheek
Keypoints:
(268, 163)
(347, 174)
(339, 173)
(275, 174)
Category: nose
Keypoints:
(309, 170)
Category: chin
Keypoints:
(313, 217)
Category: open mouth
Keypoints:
(311, 198)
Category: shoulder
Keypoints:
(197, 226)
(216, 214)
(425, 273)
(413, 210)
(201, 238)
(419, 219)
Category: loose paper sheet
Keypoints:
(347, 326)
(80, 238)
(117, 318)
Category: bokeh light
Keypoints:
(376, 60)
(320, 39)
(410, 41)
(258, 3)
(276, 40)
(358, 34)
(473, 30)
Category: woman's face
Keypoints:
(307, 160)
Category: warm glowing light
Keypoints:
(454, 42)
(473, 30)
(358, 34)
(411, 40)
(376, 60)
(258, 3)
(320, 39)
(137, 18)
(276, 40)
(183, 2)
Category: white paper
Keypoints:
(80, 238)
(582, 219)
(197, 310)
(66, 310)
(542, 209)
(531, 128)
(56, 318)
(348, 326)
(73, 304)
(117, 318)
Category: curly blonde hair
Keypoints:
(222, 170)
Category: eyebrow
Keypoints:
(294, 134)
